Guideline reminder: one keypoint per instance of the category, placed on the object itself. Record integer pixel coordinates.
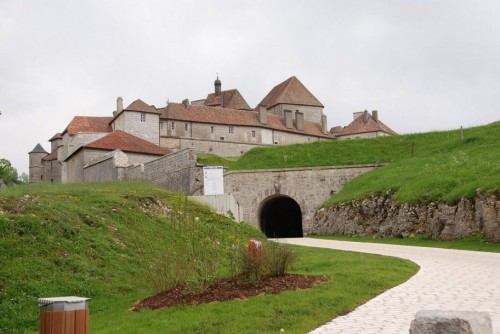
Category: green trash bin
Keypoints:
(64, 315)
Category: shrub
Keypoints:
(276, 260)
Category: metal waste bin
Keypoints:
(64, 315)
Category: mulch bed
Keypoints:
(230, 289)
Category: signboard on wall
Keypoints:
(213, 180)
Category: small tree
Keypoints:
(8, 174)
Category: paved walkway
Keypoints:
(448, 280)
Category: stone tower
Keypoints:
(218, 86)
(36, 165)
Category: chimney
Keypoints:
(185, 102)
(299, 120)
(375, 115)
(324, 124)
(365, 116)
(355, 115)
(262, 115)
(119, 104)
(288, 119)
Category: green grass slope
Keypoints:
(96, 240)
(85, 240)
(444, 167)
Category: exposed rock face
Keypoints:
(380, 216)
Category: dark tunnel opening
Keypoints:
(281, 217)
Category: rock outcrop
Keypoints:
(381, 216)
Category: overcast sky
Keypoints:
(424, 65)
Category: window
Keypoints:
(212, 129)
(253, 134)
(143, 117)
(186, 126)
(231, 129)
(173, 126)
(162, 125)
(222, 138)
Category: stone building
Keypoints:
(102, 148)
(364, 125)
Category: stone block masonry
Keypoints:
(177, 172)
(309, 187)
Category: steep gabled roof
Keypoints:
(362, 125)
(87, 124)
(38, 149)
(141, 106)
(290, 91)
(227, 99)
(119, 140)
(225, 116)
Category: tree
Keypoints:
(8, 174)
(23, 178)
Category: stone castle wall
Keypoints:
(309, 187)
(178, 172)
(380, 216)
(237, 143)
(130, 122)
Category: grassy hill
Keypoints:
(90, 240)
(101, 240)
(434, 166)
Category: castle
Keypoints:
(101, 148)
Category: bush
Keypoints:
(278, 259)
(275, 260)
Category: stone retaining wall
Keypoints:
(177, 171)
(380, 216)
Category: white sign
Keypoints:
(213, 180)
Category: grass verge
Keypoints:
(84, 240)
(471, 243)
(295, 311)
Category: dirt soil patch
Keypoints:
(230, 289)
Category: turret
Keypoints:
(36, 166)
(217, 85)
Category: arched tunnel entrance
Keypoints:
(281, 217)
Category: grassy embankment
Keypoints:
(97, 240)
(444, 167)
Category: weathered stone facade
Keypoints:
(178, 172)
(309, 187)
(142, 125)
(381, 216)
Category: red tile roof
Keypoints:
(141, 106)
(229, 99)
(359, 125)
(51, 156)
(290, 91)
(217, 115)
(86, 124)
(119, 140)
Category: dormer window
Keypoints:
(143, 117)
